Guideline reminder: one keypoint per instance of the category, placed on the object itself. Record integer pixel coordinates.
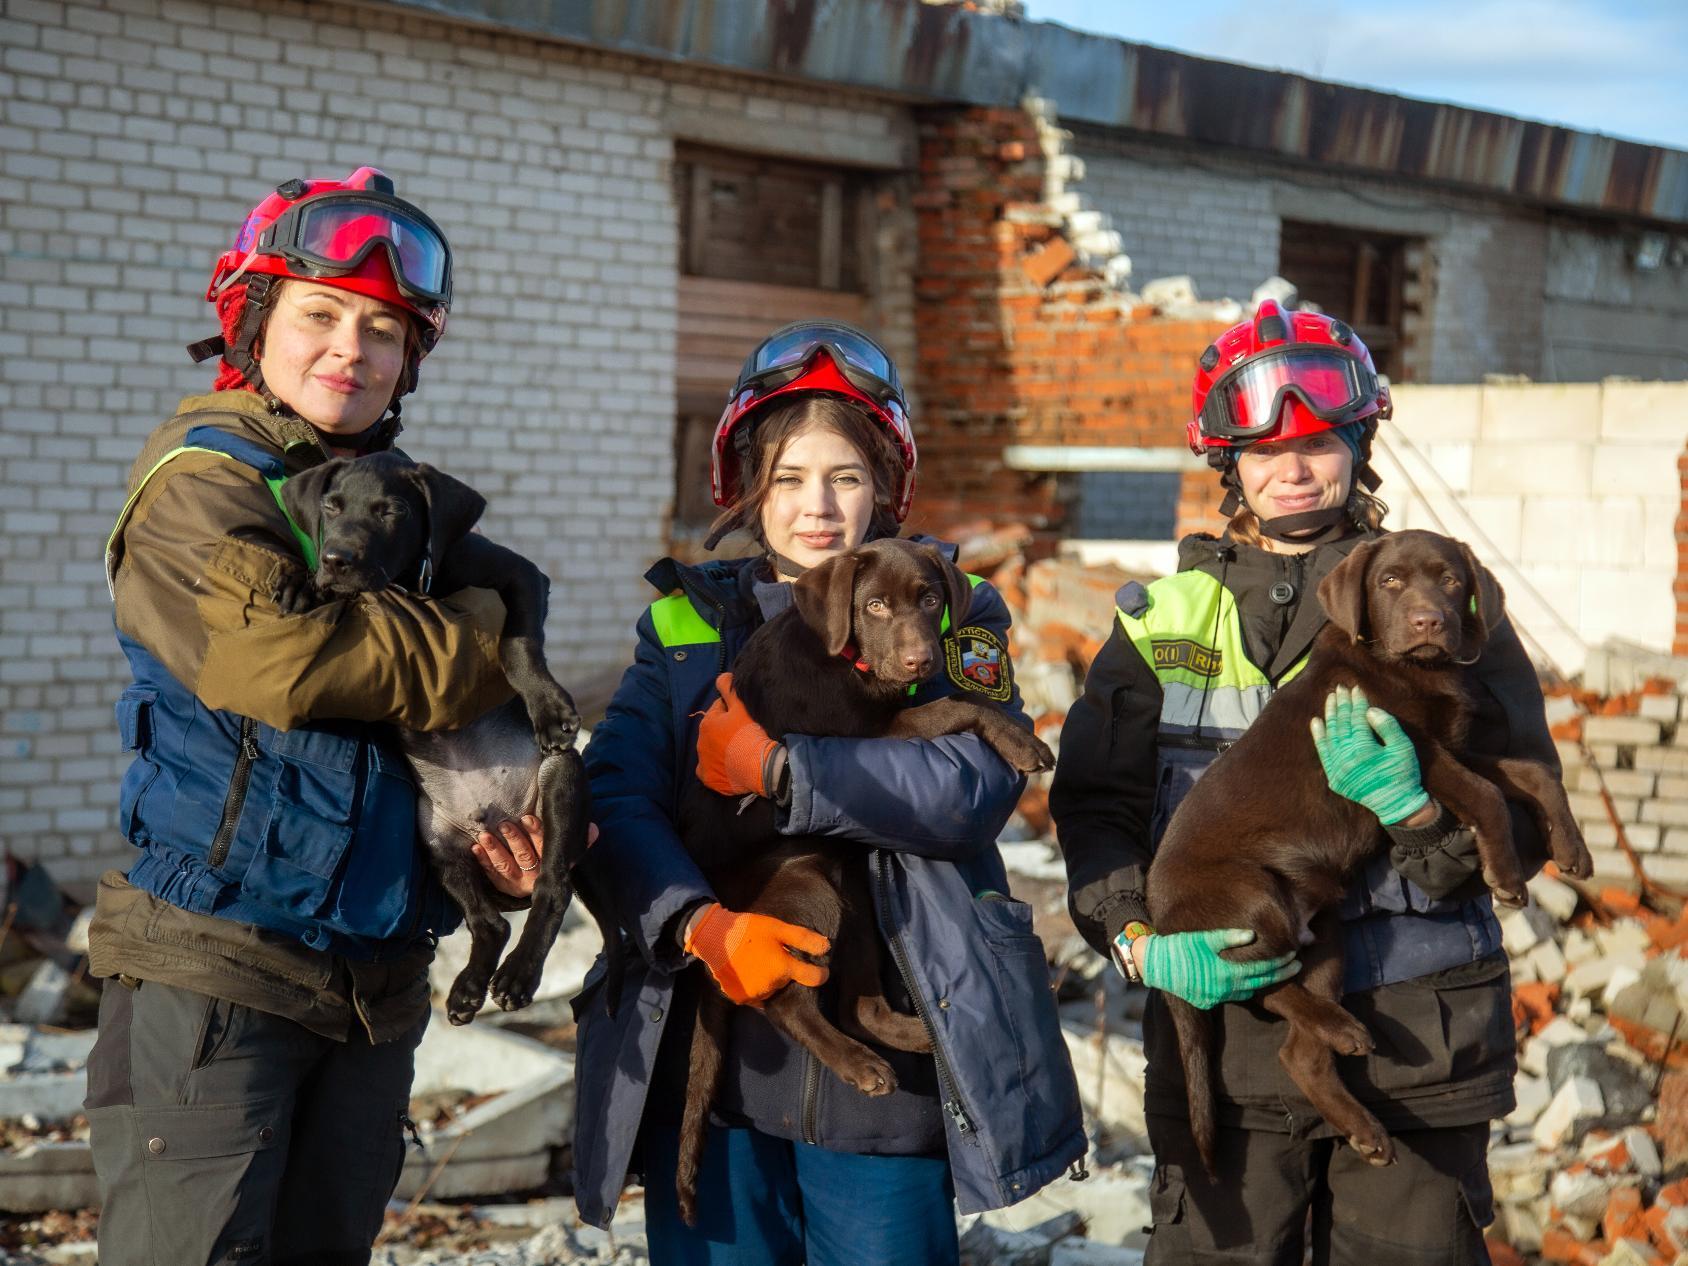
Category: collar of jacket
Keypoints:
(730, 591)
(298, 441)
(1278, 634)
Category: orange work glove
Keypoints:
(750, 954)
(735, 756)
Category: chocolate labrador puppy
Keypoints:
(864, 629)
(383, 520)
(1262, 842)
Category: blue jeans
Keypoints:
(766, 1201)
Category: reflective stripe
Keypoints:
(678, 623)
(307, 546)
(973, 581)
(1191, 637)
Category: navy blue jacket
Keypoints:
(930, 812)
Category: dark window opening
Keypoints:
(1357, 277)
(1121, 505)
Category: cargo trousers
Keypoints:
(224, 1134)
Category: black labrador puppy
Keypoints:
(863, 629)
(1262, 841)
(383, 520)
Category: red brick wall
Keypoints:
(1680, 645)
(1019, 343)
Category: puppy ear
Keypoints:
(302, 495)
(1343, 592)
(453, 508)
(825, 596)
(958, 591)
(1488, 602)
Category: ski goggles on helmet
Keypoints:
(1246, 402)
(332, 235)
(786, 355)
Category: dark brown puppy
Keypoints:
(863, 628)
(1262, 842)
(384, 520)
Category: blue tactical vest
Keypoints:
(309, 832)
(1210, 693)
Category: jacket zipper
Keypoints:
(946, 1082)
(811, 1094)
(236, 798)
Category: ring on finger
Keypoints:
(521, 867)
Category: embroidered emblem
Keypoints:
(976, 660)
(1204, 661)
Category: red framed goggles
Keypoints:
(787, 354)
(1246, 402)
(331, 235)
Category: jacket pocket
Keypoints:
(1026, 1007)
(310, 824)
(135, 734)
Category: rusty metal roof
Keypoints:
(948, 53)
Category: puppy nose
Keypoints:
(333, 562)
(1425, 621)
(920, 664)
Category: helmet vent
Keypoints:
(1210, 359)
(1341, 333)
(1272, 329)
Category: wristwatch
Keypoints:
(1122, 949)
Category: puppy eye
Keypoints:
(332, 506)
(931, 601)
(878, 606)
(1450, 581)
(1389, 580)
(395, 510)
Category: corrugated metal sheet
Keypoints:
(946, 53)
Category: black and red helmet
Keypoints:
(812, 356)
(1280, 375)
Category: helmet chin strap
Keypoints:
(1310, 527)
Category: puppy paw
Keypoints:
(1346, 1036)
(1026, 752)
(1374, 1145)
(555, 722)
(1571, 855)
(515, 982)
(466, 998)
(870, 1075)
(295, 593)
(1507, 890)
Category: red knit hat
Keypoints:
(231, 306)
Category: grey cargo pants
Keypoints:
(1427, 1209)
(222, 1134)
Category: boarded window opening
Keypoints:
(1358, 277)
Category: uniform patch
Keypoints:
(1204, 661)
(976, 660)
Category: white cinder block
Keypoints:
(1656, 411)
(1551, 468)
(1534, 412)
(1638, 470)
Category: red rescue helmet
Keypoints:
(1281, 375)
(354, 234)
(812, 356)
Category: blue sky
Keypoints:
(1616, 67)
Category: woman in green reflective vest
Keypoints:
(1286, 405)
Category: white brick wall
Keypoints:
(1574, 487)
(136, 134)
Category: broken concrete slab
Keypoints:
(1625, 1095)
(1575, 1103)
(505, 1143)
(1114, 1203)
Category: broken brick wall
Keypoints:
(1021, 340)
(1679, 644)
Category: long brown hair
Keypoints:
(782, 423)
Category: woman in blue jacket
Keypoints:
(813, 456)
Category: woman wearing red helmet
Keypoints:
(1285, 408)
(267, 953)
(813, 456)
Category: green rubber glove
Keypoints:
(1188, 964)
(1368, 757)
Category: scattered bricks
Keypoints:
(1622, 1219)
(1630, 1252)
(1502, 1254)
(1643, 1152)
(1672, 1123)
(1666, 709)
(1605, 755)
(1521, 1227)
(1620, 901)
(1518, 1172)
(1624, 731)
(1671, 786)
(1559, 899)
(1548, 962)
(1578, 947)
(1624, 937)
(1625, 1095)
(1533, 1005)
(1049, 262)
(1643, 837)
(1628, 782)
(1533, 1095)
(1522, 930)
(1578, 1101)
(1559, 1245)
(1579, 1191)
(1570, 754)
